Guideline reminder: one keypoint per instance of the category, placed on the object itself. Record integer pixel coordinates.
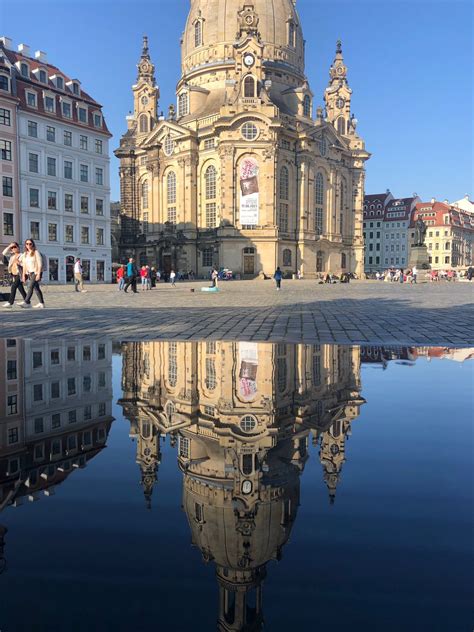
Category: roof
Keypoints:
(33, 83)
(399, 209)
(433, 213)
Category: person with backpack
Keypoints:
(278, 277)
(12, 252)
(131, 276)
(32, 271)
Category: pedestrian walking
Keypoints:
(31, 262)
(131, 276)
(214, 278)
(401, 278)
(278, 277)
(121, 277)
(470, 273)
(173, 278)
(148, 277)
(414, 274)
(12, 252)
(78, 276)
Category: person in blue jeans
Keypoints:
(131, 276)
(278, 277)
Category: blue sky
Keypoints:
(410, 67)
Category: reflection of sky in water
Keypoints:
(392, 553)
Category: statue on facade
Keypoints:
(420, 232)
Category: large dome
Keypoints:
(220, 27)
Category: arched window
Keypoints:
(249, 87)
(307, 106)
(284, 199)
(173, 363)
(341, 126)
(143, 123)
(291, 34)
(211, 378)
(171, 196)
(198, 34)
(343, 261)
(144, 192)
(341, 217)
(287, 257)
(319, 204)
(210, 178)
(320, 261)
(183, 104)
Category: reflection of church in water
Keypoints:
(242, 416)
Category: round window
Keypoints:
(248, 423)
(249, 131)
(168, 146)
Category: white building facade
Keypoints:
(64, 171)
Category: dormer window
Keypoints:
(67, 110)
(97, 120)
(75, 88)
(249, 87)
(49, 104)
(4, 83)
(59, 83)
(82, 115)
(24, 70)
(183, 104)
(31, 99)
(43, 77)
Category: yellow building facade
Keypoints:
(243, 173)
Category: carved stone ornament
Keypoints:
(248, 20)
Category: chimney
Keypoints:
(7, 42)
(24, 49)
(433, 200)
(41, 56)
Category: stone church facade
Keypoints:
(241, 174)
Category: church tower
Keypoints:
(145, 95)
(338, 96)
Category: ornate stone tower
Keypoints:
(338, 96)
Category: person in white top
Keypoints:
(78, 278)
(14, 269)
(414, 274)
(32, 266)
(173, 278)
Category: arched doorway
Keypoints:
(69, 269)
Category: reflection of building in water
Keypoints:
(55, 413)
(381, 356)
(242, 414)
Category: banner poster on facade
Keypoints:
(249, 193)
(248, 359)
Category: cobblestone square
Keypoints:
(358, 313)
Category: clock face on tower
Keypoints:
(340, 103)
(145, 100)
(249, 60)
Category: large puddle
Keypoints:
(235, 486)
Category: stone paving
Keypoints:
(363, 312)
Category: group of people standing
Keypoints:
(24, 268)
(398, 275)
(128, 276)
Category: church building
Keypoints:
(242, 173)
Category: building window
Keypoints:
(5, 117)
(183, 104)
(99, 176)
(291, 34)
(284, 198)
(99, 236)
(211, 379)
(249, 131)
(51, 166)
(5, 150)
(249, 87)
(52, 200)
(319, 203)
(71, 386)
(84, 235)
(56, 421)
(82, 115)
(50, 133)
(7, 186)
(198, 33)
(83, 142)
(248, 423)
(49, 104)
(37, 359)
(32, 129)
(55, 390)
(207, 257)
(281, 374)
(11, 370)
(67, 111)
(4, 83)
(144, 189)
(68, 170)
(307, 106)
(171, 196)
(24, 70)
(84, 173)
(97, 120)
(37, 392)
(143, 123)
(287, 257)
(68, 202)
(35, 230)
(8, 229)
(53, 268)
(98, 146)
(86, 384)
(12, 432)
(211, 193)
(31, 99)
(84, 204)
(341, 125)
(68, 139)
(75, 88)
(343, 261)
(101, 351)
(168, 146)
(52, 232)
(319, 261)
(69, 234)
(12, 409)
(99, 207)
(172, 363)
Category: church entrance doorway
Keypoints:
(249, 261)
(167, 264)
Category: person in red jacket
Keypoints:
(121, 277)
